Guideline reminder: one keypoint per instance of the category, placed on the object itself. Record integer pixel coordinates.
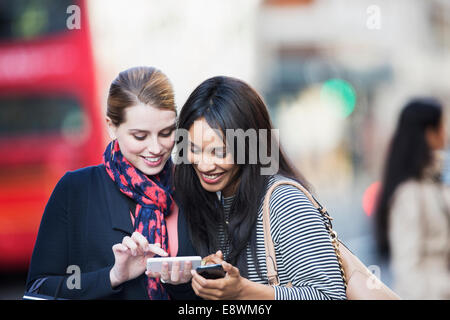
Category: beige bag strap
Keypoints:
(271, 261)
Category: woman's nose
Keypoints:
(154, 147)
(205, 164)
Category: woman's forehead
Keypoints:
(146, 117)
(201, 134)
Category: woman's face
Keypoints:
(146, 138)
(437, 137)
(215, 167)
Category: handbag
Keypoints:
(360, 283)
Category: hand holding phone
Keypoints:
(228, 283)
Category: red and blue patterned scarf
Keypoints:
(153, 195)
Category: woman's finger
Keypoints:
(129, 243)
(165, 272)
(140, 240)
(152, 274)
(156, 249)
(196, 286)
(119, 247)
(204, 283)
(214, 258)
(230, 269)
(186, 273)
(175, 272)
(206, 293)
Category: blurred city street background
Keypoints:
(334, 73)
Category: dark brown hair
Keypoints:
(146, 85)
(227, 103)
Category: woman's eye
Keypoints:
(220, 153)
(166, 133)
(140, 138)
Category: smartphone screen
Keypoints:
(211, 271)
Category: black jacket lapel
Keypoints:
(118, 206)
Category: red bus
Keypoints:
(50, 119)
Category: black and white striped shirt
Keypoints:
(305, 255)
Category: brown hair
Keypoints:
(146, 85)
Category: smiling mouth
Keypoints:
(211, 178)
(152, 161)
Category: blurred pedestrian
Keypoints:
(413, 210)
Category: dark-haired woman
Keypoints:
(413, 211)
(102, 222)
(229, 158)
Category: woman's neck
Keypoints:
(436, 165)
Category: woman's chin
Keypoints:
(211, 187)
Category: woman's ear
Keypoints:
(111, 127)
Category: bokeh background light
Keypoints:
(370, 198)
(339, 94)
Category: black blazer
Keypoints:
(84, 217)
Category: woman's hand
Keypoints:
(175, 276)
(131, 258)
(215, 258)
(228, 288)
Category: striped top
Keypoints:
(305, 255)
(224, 242)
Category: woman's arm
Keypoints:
(50, 255)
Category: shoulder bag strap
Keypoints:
(271, 261)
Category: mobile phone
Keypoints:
(211, 271)
(155, 264)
